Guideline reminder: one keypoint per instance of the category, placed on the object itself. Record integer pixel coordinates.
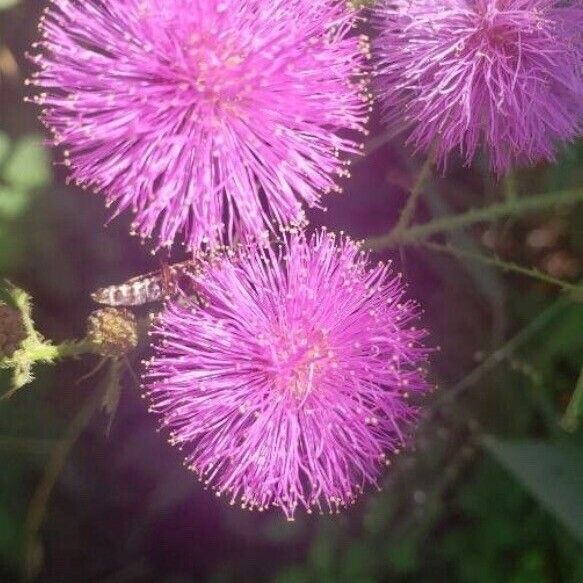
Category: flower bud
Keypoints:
(12, 331)
(114, 331)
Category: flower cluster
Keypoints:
(284, 371)
(505, 73)
(207, 118)
(289, 385)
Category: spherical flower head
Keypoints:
(206, 118)
(289, 386)
(113, 331)
(502, 73)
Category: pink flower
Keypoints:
(289, 385)
(206, 118)
(502, 73)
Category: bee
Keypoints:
(156, 286)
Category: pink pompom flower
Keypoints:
(503, 73)
(206, 118)
(289, 384)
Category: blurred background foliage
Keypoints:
(494, 488)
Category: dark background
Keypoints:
(493, 491)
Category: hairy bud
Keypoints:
(12, 331)
(113, 331)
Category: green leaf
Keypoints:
(324, 551)
(13, 202)
(13, 246)
(403, 556)
(574, 412)
(5, 144)
(6, 4)
(29, 165)
(552, 473)
(358, 561)
(293, 575)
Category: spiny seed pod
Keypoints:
(12, 331)
(113, 331)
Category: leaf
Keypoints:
(552, 473)
(5, 144)
(324, 551)
(574, 412)
(358, 561)
(7, 4)
(403, 556)
(29, 166)
(13, 202)
(293, 575)
(577, 295)
(13, 246)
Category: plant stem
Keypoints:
(509, 207)
(409, 208)
(38, 504)
(504, 352)
(50, 352)
(24, 446)
(501, 264)
(574, 412)
(510, 189)
(46, 352)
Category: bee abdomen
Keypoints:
(132, 293)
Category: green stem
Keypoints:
(510, 207)
(38, 505)
(378, 142)
(510, 187)
(409, 208)
(33, 351)
(45, 352)
(504, 352)
(18, 445)
(503, 265)
(574, 412)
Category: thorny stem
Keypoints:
(376, 143)
(574, 412)
(510, 207)
(38, 504)
(45, 352)
(501, 264)
(409, 209)
(503, 353)
(406, 216)
(33, 351)
(510, 188)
